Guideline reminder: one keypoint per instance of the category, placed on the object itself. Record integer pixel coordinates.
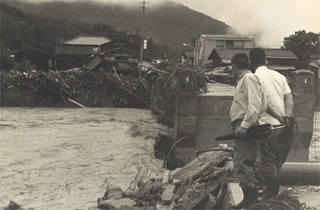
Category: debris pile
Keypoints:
(285, 200)
(94, 89)
(195, 186)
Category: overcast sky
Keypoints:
(268, 20)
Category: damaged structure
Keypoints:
(201, 117)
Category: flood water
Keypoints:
(59, 158)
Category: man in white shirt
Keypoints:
(280, 106)
(248, 103)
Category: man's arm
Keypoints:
(252, 89)
(288, 104)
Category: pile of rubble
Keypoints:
(202, 184)
(71, 88)
(195, 186)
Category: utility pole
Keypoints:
(141, 34)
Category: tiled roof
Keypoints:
(226, 37)
(279, 53)
(227, 54)
(281, 67)
(74, 50)
(88, 40)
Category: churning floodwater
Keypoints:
(63, 158)
(60, 158)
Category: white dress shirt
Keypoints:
(275, 86)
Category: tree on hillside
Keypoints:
(302, 44)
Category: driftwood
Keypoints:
(76, 103)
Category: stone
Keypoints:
(117, 204)
(233, 195)
(166, 177)
(113, 192)
(168, 192)
(12, 206)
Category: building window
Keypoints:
(230, 44)
(239, 44)
(219, 44)
(133, 60)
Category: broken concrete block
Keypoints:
(113, 192)
(168, 193)
(166, 177)
(233, 195)
(165, 206)
(117, 204)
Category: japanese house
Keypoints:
(117, 55)
(205, 43)
(74, 53)
(187, 57)
(278, 59)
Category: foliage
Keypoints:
(169, 24)
(24, 66)
(302, 44)
(164, 85)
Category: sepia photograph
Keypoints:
(159, 104)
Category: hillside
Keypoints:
(167, 22)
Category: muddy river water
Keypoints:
(55, 158)
(59, 158)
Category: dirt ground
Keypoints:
(59, 158)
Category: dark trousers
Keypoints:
(246, 152)
(284, 144)
(268, 150)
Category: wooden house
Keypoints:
(277, 59)
(40, 58)
(187, 57)
(117, 55)
(74, 53)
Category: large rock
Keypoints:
(113, 192)
(168, 193)
(122, 203)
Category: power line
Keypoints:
(142, 34)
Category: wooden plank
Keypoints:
(196, 165)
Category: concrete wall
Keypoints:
(201, 117)
(302, 86)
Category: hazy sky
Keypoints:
(268, 20)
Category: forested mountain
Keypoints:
(44, 24)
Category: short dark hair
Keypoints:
(240, 60)
(257, 57)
